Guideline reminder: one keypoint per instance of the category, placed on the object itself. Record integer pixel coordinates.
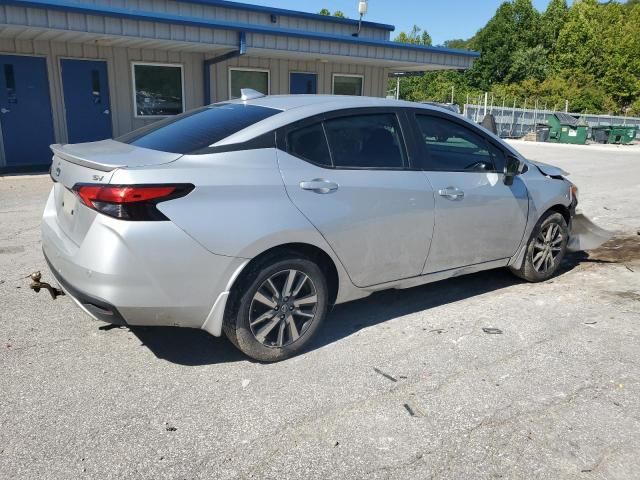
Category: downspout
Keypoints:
(242, 49)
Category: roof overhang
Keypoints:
(262, 40)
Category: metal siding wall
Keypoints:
(374, 81)
(120, 82)
(232, 15)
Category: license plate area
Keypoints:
(69, 202)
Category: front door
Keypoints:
(86, 100)
(376, 214)
(478, 218)
(303, 83)
(25, 112)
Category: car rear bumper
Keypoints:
(95, 307)
(137, 273)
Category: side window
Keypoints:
(366, 141)
(452, 147)
(309, 143)
(498, 157)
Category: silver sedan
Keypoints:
(252, 217)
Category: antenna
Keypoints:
(363, 6)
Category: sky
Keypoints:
(443, 19)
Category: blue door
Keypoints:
(303, 83)
(25, 113)
(86, 100)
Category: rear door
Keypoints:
(86, 100)
(25, 112)
(348, 174)
(478, 218)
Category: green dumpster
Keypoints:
(566, 128)
(622, 134)
(617, 134)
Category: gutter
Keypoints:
(242, 49)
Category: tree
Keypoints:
(586, 54)
(529, 63)
(514, 27)
(457, 43)
(552, 22)
(415, 37)
(327, 13)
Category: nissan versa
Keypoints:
(252, 217)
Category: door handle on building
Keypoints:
(106, 112)
(451, 193)
(4, 110)
(319, 185)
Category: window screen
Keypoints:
(452, 147)
(158, 89)
(198, 128)
(255, 80)
(310, 144)
(366, 141)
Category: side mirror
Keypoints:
(511, 169)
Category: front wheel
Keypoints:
(278, 308)
(545, 250)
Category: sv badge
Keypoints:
(98, 178)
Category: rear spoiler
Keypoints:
(58, 151)
(107, 155)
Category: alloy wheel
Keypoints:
(283, 308)
(547, 248)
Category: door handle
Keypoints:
(451, 193)
(106, 112)
(4, 110)
(319, 185)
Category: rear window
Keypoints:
(197, 129)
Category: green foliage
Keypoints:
(327, 13)
(586, 54)
(415, 37)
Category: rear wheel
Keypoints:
(545, 250)
(277, 309)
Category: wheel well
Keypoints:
(562, 210)
(311, 252)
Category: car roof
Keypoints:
(328, 102)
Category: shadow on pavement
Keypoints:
(195, 347)
(187, 346)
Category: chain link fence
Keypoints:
(518, 122)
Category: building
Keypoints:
(83, 70)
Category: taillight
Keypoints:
(130, 202)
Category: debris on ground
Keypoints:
(492, 331)
(170, 428)
(408, 408)
(617, 250)
(385, 375)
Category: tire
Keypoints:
(536, 265)
(255, 326)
